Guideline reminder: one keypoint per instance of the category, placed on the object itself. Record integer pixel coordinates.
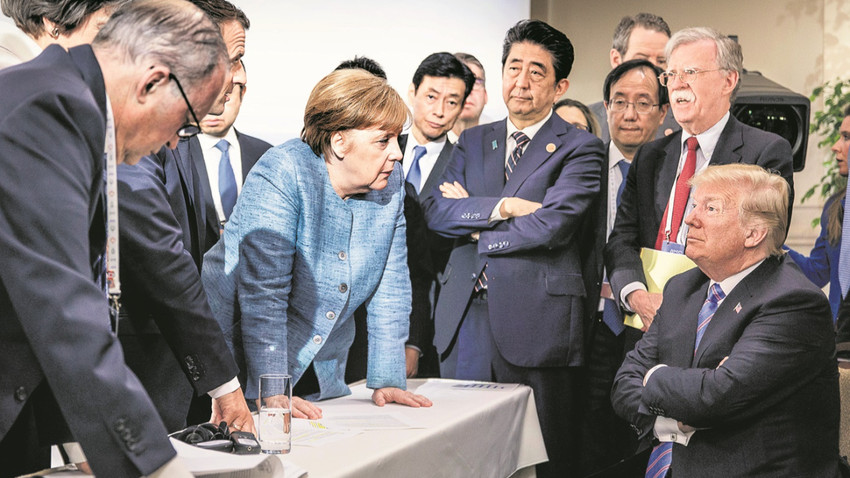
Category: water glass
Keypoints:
(275, 420)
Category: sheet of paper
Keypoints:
(659, 267)
(215, 464)
(314, 433)
(439, 387)
(365, 421)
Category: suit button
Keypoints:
(21, 394)
(330, 316)
(342, 255)
(343, 288)
(317, 339)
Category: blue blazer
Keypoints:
(534, 263)
(294, 263)
(822, 264)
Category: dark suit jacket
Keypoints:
(536, 290)
(651, 178)
(772, 409)
(598, 110)
(162, 291)
(54, 326)
(251, 149)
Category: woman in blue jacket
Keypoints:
(317, 231)
(822, 264)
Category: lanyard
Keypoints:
(112, 276)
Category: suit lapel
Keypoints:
(246, 159)
(204, 189)
(683, 340)
(493, 163)
(730, 141)
(545, 143)
(437, 170)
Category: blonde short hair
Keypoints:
(350, 99)
(761, 196)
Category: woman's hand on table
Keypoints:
(383, 396)
(304, 409)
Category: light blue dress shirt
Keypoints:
(294, 263)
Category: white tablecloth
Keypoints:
(468, 432)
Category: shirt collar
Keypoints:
(615, 156)
(529, 131)
(729, 283)
(209, 142)
(708, 138)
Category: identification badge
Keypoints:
(673, 247)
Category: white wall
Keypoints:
(292, 45)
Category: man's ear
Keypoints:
(154, 79)
(561, 87)
(615, 58)
(755, 236)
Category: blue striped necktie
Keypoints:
(521, 140)
(661, 457)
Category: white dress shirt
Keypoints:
(212, 158)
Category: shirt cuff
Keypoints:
(667, 430)
(628, 289)
(495, 215)
(74, 452)
(650, 372)
(223, 390)
(411, 346)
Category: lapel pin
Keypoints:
(738, 308)
(550, 148)
(495, 144)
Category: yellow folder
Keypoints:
(659, 267)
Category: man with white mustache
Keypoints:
(704, 67)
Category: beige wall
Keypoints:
(796, 43)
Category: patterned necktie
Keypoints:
(680, 197)
(226, 179)
(521, 140)
(662, 455)
(715, 295)
(844, 253)
(610, 313)
(414, 174)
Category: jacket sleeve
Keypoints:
(816, 266)
(155, 260)
(389, 309)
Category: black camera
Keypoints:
(219, 438)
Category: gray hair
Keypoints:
(66, 14)
(647, 21)
(174, 33)
(729, 55)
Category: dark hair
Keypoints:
(221, 11)
(549, 38)
(364, 63)
(620, 70)
(646, 21)
(468, 59)
(589, 118)
(66, 14)
(444, 65)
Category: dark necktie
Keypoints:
(610, 313)
(521, 140)
(680, 197)
(226, 179)
(414, 174)
(661, 457)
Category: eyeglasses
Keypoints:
(685, 76)
(187, 130)
(619, 105)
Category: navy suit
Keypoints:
(55, 338)
(650, 181)
(535, 289)
(772, 408)
(251, 149)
